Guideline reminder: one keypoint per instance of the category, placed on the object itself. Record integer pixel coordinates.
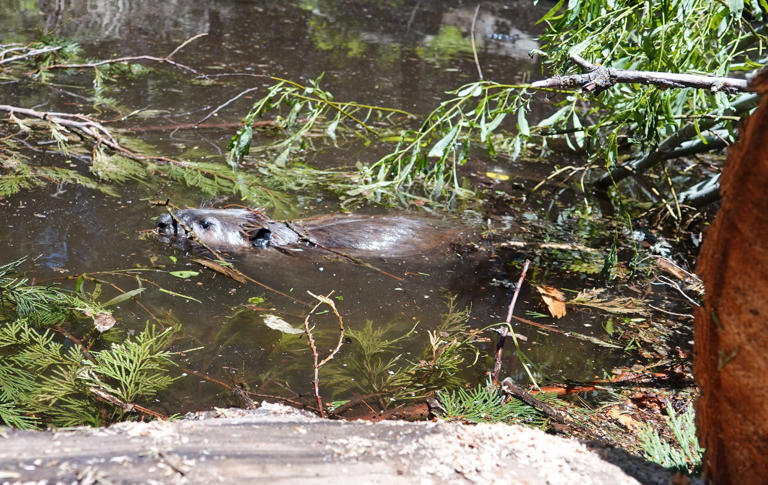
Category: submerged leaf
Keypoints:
(276, 323)
(124, 296)
(554, 299)
(184, 274)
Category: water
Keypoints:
(404, 56)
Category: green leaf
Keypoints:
(474, 90)
(123, 297)
(441, 146)
(557, 116)
(331, 130)
(552, 12)
(522, 123)
(184, 274)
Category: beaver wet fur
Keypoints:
(233, 230)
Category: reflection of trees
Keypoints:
(124, 19)
(501, 28)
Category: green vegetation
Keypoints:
(50, 377)
(484, 404)
(376, 365)
(684, 453)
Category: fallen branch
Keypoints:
(31, 53)
(509, 387)
(600, 78)
(127, 407)
(166, 59)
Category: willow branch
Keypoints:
(599, 78)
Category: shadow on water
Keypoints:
(405, 56)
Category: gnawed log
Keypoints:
(731, 337)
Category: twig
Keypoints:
(505, 328)
(600, 78)
(551, 245)
(166, 59)
(31, 53)
(221, 106)
(509, 387)
(86, 351)
(127, 407)
(316, 363)
(472, 38)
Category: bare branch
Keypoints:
(32, 53)
(167, 59)
(600, 78)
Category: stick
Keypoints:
(505, 329)
(31, 53)
(472, 38)
(127, 407)
(316, 363)
(509, 387)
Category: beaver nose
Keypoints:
(165, 225)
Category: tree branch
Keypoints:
(600, 78)
(620, 172)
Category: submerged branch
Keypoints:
(31, 53)
(165, 59)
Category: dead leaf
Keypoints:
(554, 299)
(276, 323)
(103, 321)
(624, 419)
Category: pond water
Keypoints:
(402, 54)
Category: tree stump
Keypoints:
(731, 330)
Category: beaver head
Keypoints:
(221, 229)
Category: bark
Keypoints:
(731, 333)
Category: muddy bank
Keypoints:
(286, 446)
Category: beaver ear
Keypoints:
(262, 238)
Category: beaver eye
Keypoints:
(205, 224)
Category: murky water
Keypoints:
(402, 54)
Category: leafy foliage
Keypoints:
(690, 36)
(299, 110)
(47, 380)
(377, 366)
(484, 404)
(426, 160)
(685, 453)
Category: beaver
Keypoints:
(235, 230)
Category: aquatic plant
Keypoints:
(484, 404)
(58, 370)
(377, 366)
